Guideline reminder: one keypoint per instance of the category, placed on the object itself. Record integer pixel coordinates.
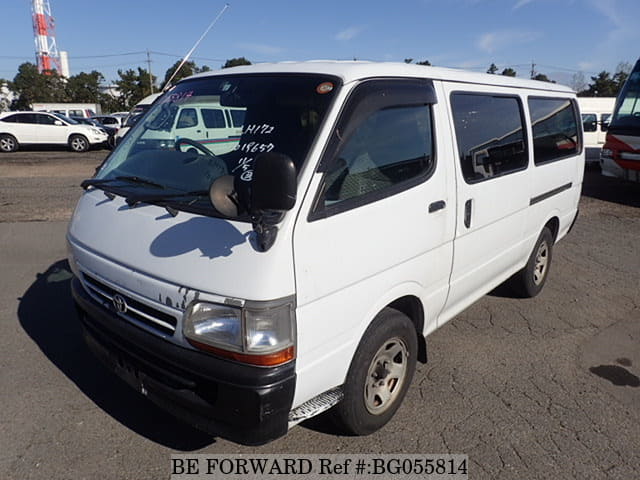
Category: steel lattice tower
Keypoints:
(47, 55)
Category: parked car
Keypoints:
(109, 130)
(42, 128)
(114, 121)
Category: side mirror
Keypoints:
(604, 126)
(274, 184)
(58, 122)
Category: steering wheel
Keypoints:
(195, 144)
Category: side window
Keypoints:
(26, 118)
(606, 119)
(490, 134)
(12, 119)
(45, 119)
(389, 147)
(188, 118)
(213, 118)
(238, 117)
(555, 128)
(589, 122)
(76, 113)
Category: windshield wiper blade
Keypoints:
(96, 182)
(133, 200)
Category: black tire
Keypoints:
(78, 143)
(529, 281)
(8, 143)
(390, 339)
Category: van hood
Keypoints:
(199, 253)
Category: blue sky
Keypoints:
(560, 36)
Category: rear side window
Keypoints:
(213, 118)
(589, 122)
(555, 129)
(490, 134)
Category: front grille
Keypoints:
(134, 311)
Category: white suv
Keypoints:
(44, 128)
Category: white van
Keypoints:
(596, 114)
(363, 206)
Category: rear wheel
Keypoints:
(379, 375)
(8, 143)
(78, 143)
(529, 281)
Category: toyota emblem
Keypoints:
(119, 303)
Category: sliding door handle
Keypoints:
(435, 206)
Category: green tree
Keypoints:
(622, 73)
(189, 68)
(32, 86)
(85, 87)
(508, 72)
(133, 86)
(492, 69)
(410, 60)
(541, 77)
(602, 85)
(235, 62)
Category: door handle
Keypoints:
(435, 206)
(467, 213)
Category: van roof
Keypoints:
(350, 71)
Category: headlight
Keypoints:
(256, 335)
(97, 131)
(606, 153)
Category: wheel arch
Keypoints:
(412, 307)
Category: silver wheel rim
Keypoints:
(6, 144)
(542, 261)
(386, 375)
(77, 144)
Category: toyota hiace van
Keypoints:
(361, 207)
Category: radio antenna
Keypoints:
(190, 52)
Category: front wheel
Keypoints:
(529, 281)
(78, 143)
(379, 375)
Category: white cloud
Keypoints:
(492, 41)
(348, 33)
(261, 48)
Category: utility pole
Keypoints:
(150, 75)
(533, 69)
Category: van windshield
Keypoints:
(205, 128)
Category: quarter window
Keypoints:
(555, 129)
(490, 135)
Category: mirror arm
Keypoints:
(266, 232)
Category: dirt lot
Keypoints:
(41, 185)
(529, 389)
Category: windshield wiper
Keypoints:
(96, 182)
(133, 200)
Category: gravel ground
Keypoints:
(529, 389)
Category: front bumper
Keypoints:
(246, 404)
